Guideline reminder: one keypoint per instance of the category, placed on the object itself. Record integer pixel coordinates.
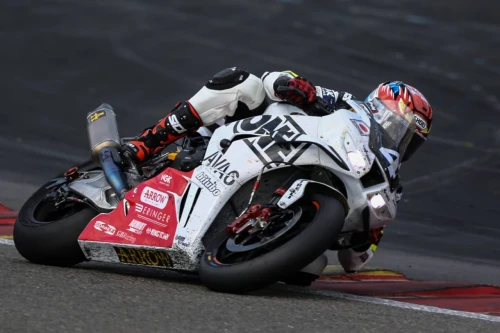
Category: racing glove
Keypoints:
(300, 92)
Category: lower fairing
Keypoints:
(158, 257)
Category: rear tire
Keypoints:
(50, 242)
(280, 262)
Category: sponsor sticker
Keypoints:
(96, 115)
(421, 124)
(157, 233)
(154, 197)
(175, 124)
(166, 179)
(143, 257)
(124, 235)
(264, 147)
(209, 184)
(139, 208)
(346, 96)
(327, 92)
(295, 190)
(156, 215)
(106, 228)
(221, 166)
(362, 128)
(181, 240)
(136, 227)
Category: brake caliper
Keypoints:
(255, 217)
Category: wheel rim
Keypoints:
(286, 220)
(230, 251)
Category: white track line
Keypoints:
(6, 241)
(396, 304)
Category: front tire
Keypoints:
(42, 237)
(281, 261)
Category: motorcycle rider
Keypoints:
(235, 94)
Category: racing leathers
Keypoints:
(234, 94)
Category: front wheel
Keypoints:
(293, 238)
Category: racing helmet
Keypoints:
(415, 101)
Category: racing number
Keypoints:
(392, 157)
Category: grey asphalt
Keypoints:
(61, 59)
(97, 298)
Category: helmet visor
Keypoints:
(397, 120)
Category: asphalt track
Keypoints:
(60, 59)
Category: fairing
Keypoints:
(194, 199)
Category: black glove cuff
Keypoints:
(280, 81)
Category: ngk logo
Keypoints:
(166, 179)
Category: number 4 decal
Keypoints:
(392, 157)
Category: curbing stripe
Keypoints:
(336, 273)
(393, 286)
(7, 220)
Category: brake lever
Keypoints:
(322, 105)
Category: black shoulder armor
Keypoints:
(227, 78)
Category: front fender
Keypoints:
(302, 187)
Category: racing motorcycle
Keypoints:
(245, 206)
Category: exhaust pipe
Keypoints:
(104, 140)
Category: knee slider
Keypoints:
(227, 78)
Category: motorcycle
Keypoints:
(245, 206)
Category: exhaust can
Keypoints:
(102, 130)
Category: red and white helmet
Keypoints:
(415, 101)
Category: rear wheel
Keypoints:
(293, 238)
(44, 234)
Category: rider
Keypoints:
(236, 94)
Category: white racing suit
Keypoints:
(234, 91)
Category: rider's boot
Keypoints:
(180, 121)
(308, 274)
(354, 259)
